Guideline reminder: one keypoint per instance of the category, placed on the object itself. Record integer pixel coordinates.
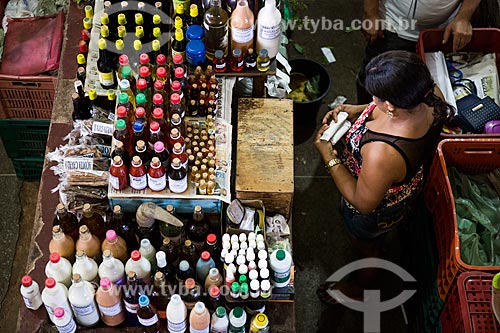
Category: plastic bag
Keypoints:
(478, 217)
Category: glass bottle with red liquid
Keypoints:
(177, 177)
(194, 92)
(178, 152)
(123, 100)
(122, 62)
(157, 180)
(155, 135)
(176, 106)
(121, 152)
(140, 115)
(121, 113)
(176, 122)
(137, 174)
(140, 100)
(178, 63)
(142, 87)
(162, 154)
(142, 151)
(139, 133)
(158, 102)
(118, 174)
(219, 62)
(122, 134)
(179, 76)
(159, 117)
(144, 61)
(67, 221)
(161, 74)
(175, 136)
(145, 74)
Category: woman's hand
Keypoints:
(353, 112)
(324, 148)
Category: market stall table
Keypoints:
(281, 314)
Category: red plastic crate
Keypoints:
(486, 40)
(26, 97)
(469, 156)
(468, 307)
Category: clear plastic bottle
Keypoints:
(112, 268)
(55, 295)
(148, 251)
(141, 266)
(237, 320)
(176, 315)
(81, 298)
(86, 267)
(220, 321)
(59, 269)
(64, 321)
(30, 291)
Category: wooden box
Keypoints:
(264, 155)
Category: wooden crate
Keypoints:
(264, 157)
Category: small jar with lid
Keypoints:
(237, 61)
(137, 174)
(263, 61)
(118, 174)
(219, 62)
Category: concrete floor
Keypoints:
(320, 241)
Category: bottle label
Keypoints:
(194, 330)
(148, 321)
(131, 308)
(251, 64)
(281, 277)
(176, 327)
(102, 128)
(111, 310)
(265, 64)
(157, 184)
(177, 186)
(28, 302)
(242, 35)
(269, 32)
(202, 191)
(106, 79)
(220, 66)
(69, 327)
(50, 310)
(138, 183)
(84, 310)
(218, 329)
(114, 182)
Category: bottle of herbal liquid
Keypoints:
(67, 221)
(242, 27)
(62, 244)
(109, 301)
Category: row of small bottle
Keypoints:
(106, 304)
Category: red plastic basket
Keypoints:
(27, 97)
(486, 40)
(468, 307)
(469, 156)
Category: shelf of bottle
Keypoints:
(249, 72)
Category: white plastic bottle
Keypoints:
(139, 265)
(148, 251)
(237, 320)
(64, 321)
(220, 321)
(31, 293)
(81, 297)
(269, 29)
(280, 262)
(55, 295)
(176, 315)
(86, 267)
(112, 268)
(59, 269)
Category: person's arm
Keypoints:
(370, 13)
(382, 166)
(460, 27)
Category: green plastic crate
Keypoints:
(24, 138)
(28, 168)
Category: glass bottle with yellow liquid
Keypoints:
(215, 26)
